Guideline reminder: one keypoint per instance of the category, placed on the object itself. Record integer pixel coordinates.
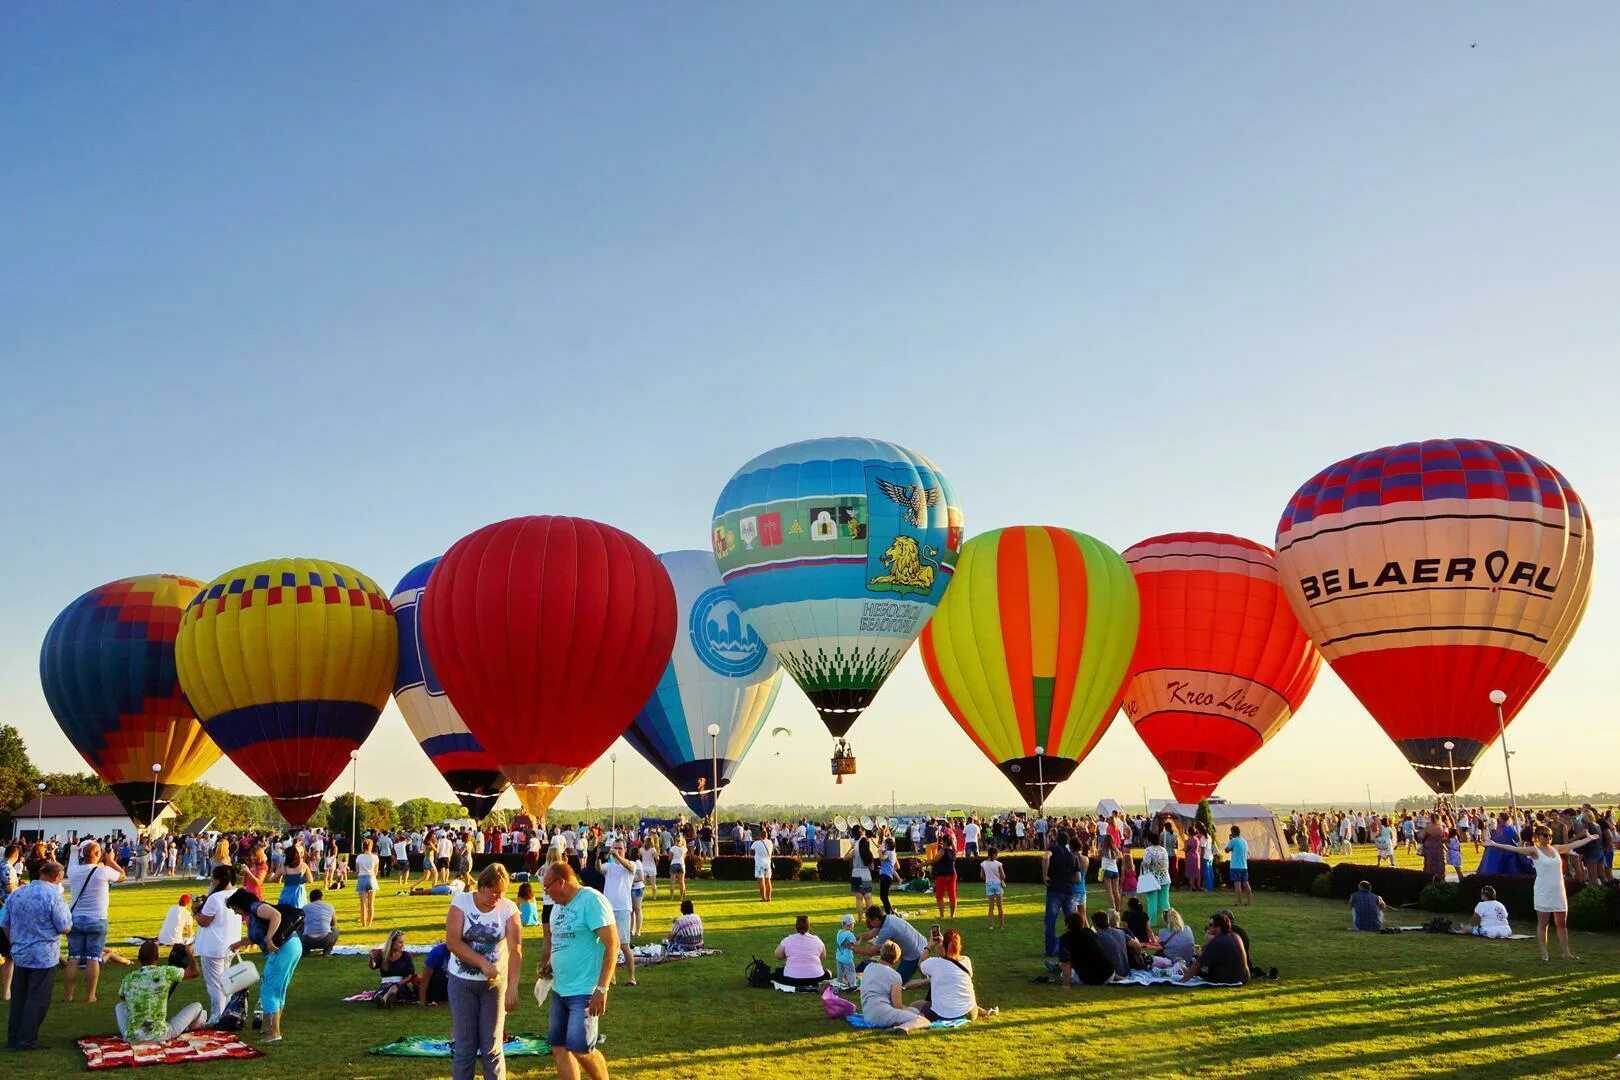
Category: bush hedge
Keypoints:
(741, 867)
(1589, 909)
(1322, 887)
(1399, 888)
(1441, 896)
(1284, 875)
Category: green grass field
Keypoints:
(1346, 1004)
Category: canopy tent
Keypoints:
(1259, 825)
(1108, 807)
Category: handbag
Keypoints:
(239, 975)
(1147, 881)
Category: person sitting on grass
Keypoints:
(686, 932)
(1490, 917)
(1082, 958)
(143, 1006)
(528, 910)
(950, 982)
(179, 927)
(1366, 908)
(433, 982)
(1222, 959)
(397, 970)
(804, 957)
(1135, 919)
(1177, 945)
(881, 1005)
(320, 931)
(1121, 948)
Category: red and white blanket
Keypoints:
(111, 1052)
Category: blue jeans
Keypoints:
(572, 1028)
(1060, 904)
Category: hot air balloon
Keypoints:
(108, 670)
(1030, 647)
(1431, 574)
(719, 673)
(548, 633)
(472, 772)
(1221, 662)
(288, 662)
(837, 551)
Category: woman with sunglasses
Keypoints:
(1552, 903)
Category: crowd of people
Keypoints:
(586, 885)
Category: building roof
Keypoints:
(73, 806)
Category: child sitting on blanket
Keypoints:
(844, 954)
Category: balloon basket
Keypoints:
(843, 765)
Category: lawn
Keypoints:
(1346, 1004)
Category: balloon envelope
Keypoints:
(548, 634)
(719, 673)
(1221, 662)
(837, 551)
(108, 670)
(473, 773)
(288, 662)
(1030, 648)
(1432, 573)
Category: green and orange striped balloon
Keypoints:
(1030, 647)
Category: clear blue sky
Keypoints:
(352, 280)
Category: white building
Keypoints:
(73, 817)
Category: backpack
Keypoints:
(759, 974)
(234, 1016)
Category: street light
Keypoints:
(40, 787)
(1040, 780)
(1497, 697)
(714, 778)
(354, 800)
(151, 823)
(613, 760)
(1451, 767)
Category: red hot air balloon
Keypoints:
(1431, 574)
(548, 634)
(1221, 662)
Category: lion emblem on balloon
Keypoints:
(911, 567)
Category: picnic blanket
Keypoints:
(365, 950)
(372, 995)
(435, 1046)
(112, 1052)
(655, 953)
(1160, 978)
(857, 1020)
(1453, 932)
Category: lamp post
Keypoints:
(1040, 780)
(613, 760)
(1451, 767)
(40, 787)
(1497, 698)
(354, 800)
(714, 778)
(151, 822)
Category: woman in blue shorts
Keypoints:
(1081, 864)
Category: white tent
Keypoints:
(1259, 826)
(1107, 807)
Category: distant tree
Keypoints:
(322, 817)
(380, 814)
(415, 813)
(17, 774)
(62, 783)
(338, 819)
(1206, 817)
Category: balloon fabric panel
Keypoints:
(837, 550)
(107, 667)
(1029, 648)
(1221, 663)
(719, 672)
(548, 633)
(474, 775)
(1432, 573)
(289, 662)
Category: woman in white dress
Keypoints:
(1552, 904)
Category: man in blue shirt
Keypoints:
(578, 953)
(35, 917)
(1238, 869)
(1366, 908)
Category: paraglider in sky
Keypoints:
(719, 673)
(1030, 647)
(1221, 662)
(288, 662)
(837, 551)
(548, 634)
(107, 667)
(472, 772)
(1431, 574)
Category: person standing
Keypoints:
(11, 879)
(90, 883)
(365, 883)
(1552, 902)
(1057, 865)
(268, 928)
(618, 875)
(218, 939)
(677, 867)
(761, 850)
(578, 955)
(34, 918)
(485, 940)
(1237, 869)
